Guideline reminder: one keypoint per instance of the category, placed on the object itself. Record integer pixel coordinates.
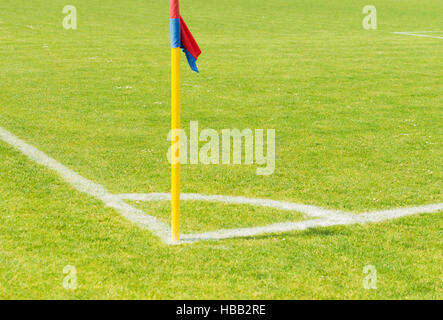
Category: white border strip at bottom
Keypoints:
(321, 217)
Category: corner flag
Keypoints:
(181, 38)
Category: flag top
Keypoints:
(181, 37)
(174, 9)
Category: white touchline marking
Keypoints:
(418, 34)
(84, 185)
(323, 217)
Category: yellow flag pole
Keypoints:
(175, 150)
(175, 118)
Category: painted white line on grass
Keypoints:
(308, 210)
(418, 34)
(328, 217)
(257, 231)
(84, 185)
(377, 216)
(323, 217)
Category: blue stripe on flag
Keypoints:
(191, 60)
(175, 33)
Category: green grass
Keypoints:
(357, 118)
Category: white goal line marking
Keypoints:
(322, 217)
(419, 34)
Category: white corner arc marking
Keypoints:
(322, 217)
(308, 210)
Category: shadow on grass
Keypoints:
(310, 233)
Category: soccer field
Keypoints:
(358, 130)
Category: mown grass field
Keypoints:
(358, 118)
